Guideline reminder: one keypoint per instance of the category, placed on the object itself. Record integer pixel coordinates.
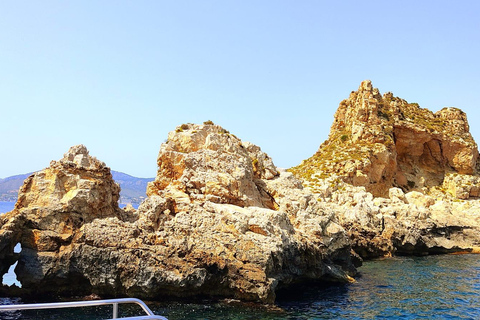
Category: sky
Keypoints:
(117, 76)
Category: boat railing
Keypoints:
(93, 303)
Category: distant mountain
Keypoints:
(9, 186)
(132, 189)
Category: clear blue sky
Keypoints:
(117, 76)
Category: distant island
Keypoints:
(133, 189)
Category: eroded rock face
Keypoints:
(220, 221)
(207, 163)
(53, 205)
(409, 223)
(400, 179)
(383, 141)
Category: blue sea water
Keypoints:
(432, 287)
(440, 287)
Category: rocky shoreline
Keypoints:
(221, 221)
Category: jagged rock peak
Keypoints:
(79, 155)
(366, 107)
(367, 87)
(202, 162)
(383, 141)
(76, 183)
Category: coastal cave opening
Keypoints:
(10, 278)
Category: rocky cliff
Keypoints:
(220, 221)
(383, 141)
(400, 178)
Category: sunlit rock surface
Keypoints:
(400, 179)
(220, 221)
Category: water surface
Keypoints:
(440, 287)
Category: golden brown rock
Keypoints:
(383, 141)
(400, 179)
(53, 205)
(220, 221)
(207, 163)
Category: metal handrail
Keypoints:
(93, 303)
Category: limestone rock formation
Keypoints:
(400, 179)
(53, 205)
(220, 221)
(409, 223)
(383, 141)
(207, 163)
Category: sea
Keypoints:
(429, 287)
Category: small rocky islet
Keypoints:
(221, 221)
